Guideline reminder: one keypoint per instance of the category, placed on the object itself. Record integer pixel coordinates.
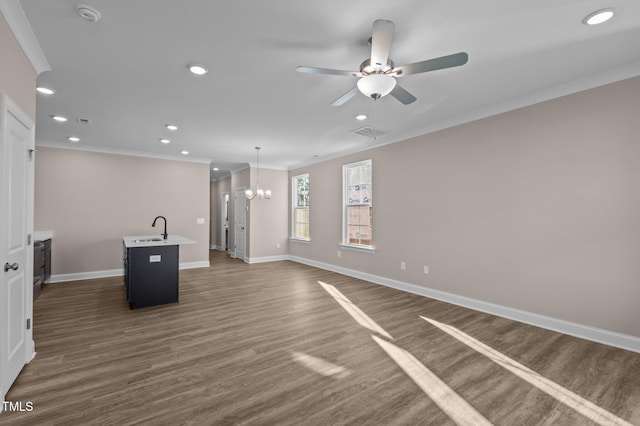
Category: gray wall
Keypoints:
(268, 225)
(536, 209)
(90, 200)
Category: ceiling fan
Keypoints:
(377, 74)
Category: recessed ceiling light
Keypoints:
(165, 140)
(45, 90)
(59, 118)
(184, 152)
(215, 169)
(171, 127)
(74, 139)
(198, 69)
(599, 16)
(361, 117)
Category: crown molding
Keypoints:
(117, 151)
(254, 165)
(19, 24)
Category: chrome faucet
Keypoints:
(164, 235)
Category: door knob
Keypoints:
(7, 266)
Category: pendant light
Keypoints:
(260, 193)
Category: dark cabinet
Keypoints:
(47, 261)
(41, 264)
(151, 275)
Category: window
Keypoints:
(358, 206)
(300, 203)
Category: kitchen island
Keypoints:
(151, 269)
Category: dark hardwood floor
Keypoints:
(267, 344)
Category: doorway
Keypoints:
(224, 221)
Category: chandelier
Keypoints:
(260, 193)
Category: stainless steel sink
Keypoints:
(147, 240)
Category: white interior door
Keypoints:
(16, 250)
(239, 209)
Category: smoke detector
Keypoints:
(88, 13)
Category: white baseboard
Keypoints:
(113, 273)
(267, 259)
(195, 265)
(594, 334)
(77, 276)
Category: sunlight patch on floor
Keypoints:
(320, 366)
(459, 410)
(572, 400)
(443, 396)
(357, 314)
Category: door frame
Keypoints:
(8, 107)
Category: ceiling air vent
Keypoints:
(370, 132)
(83, 121)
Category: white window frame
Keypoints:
(345, 244)
(295, 206)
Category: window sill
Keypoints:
(361, 249)
(300, 240)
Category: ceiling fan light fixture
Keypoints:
(376, 85)
(599, 16)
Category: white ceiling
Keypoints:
(128, 75)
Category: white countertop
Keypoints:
(172, 239)
(42, 235)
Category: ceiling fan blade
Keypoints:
(314, 70)
(448, 61)
(344, 98)
(381, 42)
(402, 95)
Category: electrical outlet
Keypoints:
(426, 270)
(403, 266)
(277, 245)
(200, 220)
(339, 253)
